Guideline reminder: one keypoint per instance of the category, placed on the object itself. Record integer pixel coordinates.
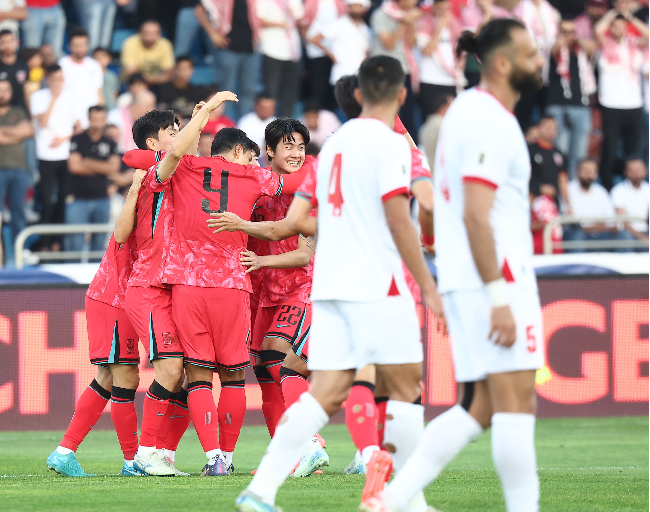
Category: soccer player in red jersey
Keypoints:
(208, 277)
(113, 347)
(148, 300)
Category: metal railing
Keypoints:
(59, 229)
(549, 245)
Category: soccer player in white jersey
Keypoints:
(485, 274)
(363, 312)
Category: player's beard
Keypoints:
(522, 81)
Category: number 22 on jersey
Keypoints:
(334, 195)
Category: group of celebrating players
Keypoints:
(205, 289)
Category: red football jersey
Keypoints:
(109, 284)
(154, 223)
(197, 256)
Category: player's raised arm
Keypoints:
(292, 259)
(298, 218)
(188, 135)
(422, 190)
(267, 230)
(126, 221)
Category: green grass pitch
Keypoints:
(584, 465)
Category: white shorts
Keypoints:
(475, 356)
(350, 335)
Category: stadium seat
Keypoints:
(203, 75)
(119, 36)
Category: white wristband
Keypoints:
(497, 292)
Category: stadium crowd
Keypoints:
(75, 75)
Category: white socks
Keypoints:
(367, 452)
(513, 453)
(443, 439)
(403, 431)
(212, 454)
(170, 454)
(143, 451)
(227, 456)
(292, 437)
(63, 451)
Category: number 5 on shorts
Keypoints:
(531, 341)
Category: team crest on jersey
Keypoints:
(130, 346)
(557, 157)
(539, 158)
(168, 339)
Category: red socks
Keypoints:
(180, 420)
(272, 360)
(87, 411)
(203, 412)
(232, 409)
(272, 401)
(125, 420)
(361, 415)
(156, 403)
(294, 384)
(381, 402)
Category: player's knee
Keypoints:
(198, 373)
(104, 378)
(231, 375)
(169, 372)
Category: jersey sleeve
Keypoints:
(307, 189)
(483, 161)
(419, 168)
(394, 170)
(271, 183)
(142, 158)
(399, 126)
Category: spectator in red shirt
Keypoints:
(45, 24)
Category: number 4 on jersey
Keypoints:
(334, 192)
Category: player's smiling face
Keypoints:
(289, 155)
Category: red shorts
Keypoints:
(289, 321)
(213, 325)
(111, 337)
(150, 311)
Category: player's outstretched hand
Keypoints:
(224, 222)
(197, 107)
(434, 302)
(250, 259)
(503, 330)
(215, 102)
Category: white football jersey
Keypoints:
(481, 141)
(361, 165)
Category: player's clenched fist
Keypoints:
(503, 330)
(224, 222)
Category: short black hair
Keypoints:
(380, 79)
(150, 124)
(6, 32)
(344, 94)
(28, 53)
(440, 100)
(227, 139)
(101, 49)
(255, 149)
(78, 32)
(149, 20)
(620, 17)
(184, 58)
(494, 34)
(52, 68)
(311, 105)
(589, 159)
(96, 108)
(263, 96)
(282, 129)
(546, 117)
(136, 78)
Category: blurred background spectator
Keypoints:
(548, 175)
(179, 94)
(148, 53)
(188, 27)
(54, 113)
(124, 117)
(281, 51)
(431, 128)
(630, 197)
(92, 161)
(96, 17)
(321, 123)
(14, 177)
(82, 75)
(111, 81)
(11, 12)
(205, 144)
(45, 24)
(255, 122)
(217, 120)
(13, 68)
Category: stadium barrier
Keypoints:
(549, 245)
(59, 229)
(595, 333)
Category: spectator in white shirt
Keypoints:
(589, 199)
(255, 122)
(630, 197)
(619, 88)
(83, 75)
(319, 16)
(281, 50)
(54, 117)
(321, 123)
(346, 41)
(437, 37)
